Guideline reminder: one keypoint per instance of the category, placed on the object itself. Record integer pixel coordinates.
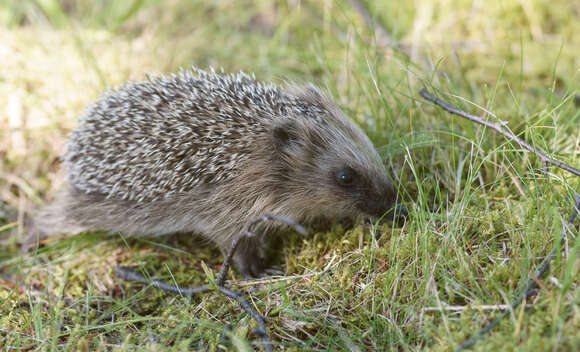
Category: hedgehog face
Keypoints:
(369, 197)
(332, 167)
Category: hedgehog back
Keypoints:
(152, 140)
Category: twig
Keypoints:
(530, 290)
(500, 129)
(128, 274)
(222, 344)
(446, 308)
(248, 231)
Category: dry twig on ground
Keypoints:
(500, 129)
(130, 275)
(532, 287)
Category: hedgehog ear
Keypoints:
(284, 135)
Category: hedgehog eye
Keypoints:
(345, 177)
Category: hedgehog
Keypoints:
(204, 152)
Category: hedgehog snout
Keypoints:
(383, 204)
(379, 207)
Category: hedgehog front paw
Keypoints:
(250, 264)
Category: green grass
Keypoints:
(366, 287)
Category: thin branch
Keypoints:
(500, 129)
(532, 287)
(261, 330)
(128, 274)
(248, 232)
(530, 290)
(456, 308)
(224, 338)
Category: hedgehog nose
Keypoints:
(391, 209)
(396, 212)
(380, 207)
(400, 213)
